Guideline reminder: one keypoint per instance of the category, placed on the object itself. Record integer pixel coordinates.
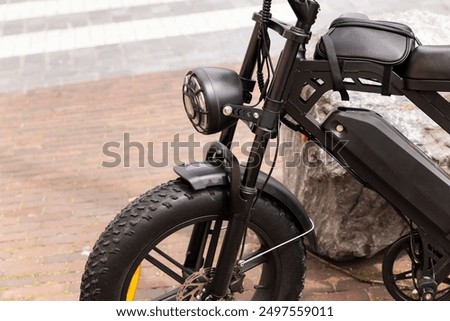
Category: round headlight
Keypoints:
(205, 92)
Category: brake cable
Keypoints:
(241, 263)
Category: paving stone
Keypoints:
(162, 10)
(100, 17)
(35, 25)
(18, 282)
(142, 12)
(119, 15)
(78, 20)
(58, 22)
(13, 27)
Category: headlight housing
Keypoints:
(205, 92)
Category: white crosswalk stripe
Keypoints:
(131, 31)
(42, 9)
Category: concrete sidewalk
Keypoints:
(60, 106)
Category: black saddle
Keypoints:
(428, 63)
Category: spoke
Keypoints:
(165, 269)
(254, 263)
(403, 276)
(173, 261)
(410, 250)
(213, 244)
(196, 247)
(410, 253)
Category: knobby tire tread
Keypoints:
(156, 202)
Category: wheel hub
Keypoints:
(195, 285)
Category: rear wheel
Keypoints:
(401, 266)
(164, 246)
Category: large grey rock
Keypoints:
(353, 221)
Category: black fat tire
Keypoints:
(125, 241)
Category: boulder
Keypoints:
(353, 221)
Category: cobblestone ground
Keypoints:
(75, 75)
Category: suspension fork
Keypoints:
(267, 128)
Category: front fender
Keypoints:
(205, 174)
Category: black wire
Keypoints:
(267, 4)
(264, 58)
(272, 166)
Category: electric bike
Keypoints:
(227, 231)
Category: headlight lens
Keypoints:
(205, 92)
(191, 90)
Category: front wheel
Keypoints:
(164, 246)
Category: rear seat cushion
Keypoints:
(428, 63)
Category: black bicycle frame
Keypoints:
(365, 152)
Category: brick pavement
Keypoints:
(59, 108)
(56, 198)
